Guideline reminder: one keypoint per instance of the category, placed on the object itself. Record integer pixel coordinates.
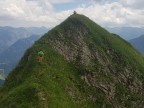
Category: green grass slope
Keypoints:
(84, 67)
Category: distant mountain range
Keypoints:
(138, 43)
(127, 33)
(9, 35)
(13, 43)
(1, 82)
(13, 54)
(1, 79)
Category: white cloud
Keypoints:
(127, 3)
(60, 1)
(52, 1)
(115, 13)
(31, 12)
(26, 11)
(42, 12)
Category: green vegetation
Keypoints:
(84, 66)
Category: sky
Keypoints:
(49, 13)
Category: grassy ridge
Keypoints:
(49, 80)
(57, 83)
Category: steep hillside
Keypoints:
(84, 67)
(13, 54)
(138, 43)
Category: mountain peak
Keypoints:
(83, 66)
(78, 17)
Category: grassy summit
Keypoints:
(84, 67)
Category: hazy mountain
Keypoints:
(138, 43)
(1, 82)
(1, 77)
(9, 35)
(84, 66)
(127, 33)
(13, 54)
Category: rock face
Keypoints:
(73, 51)
(84, 66)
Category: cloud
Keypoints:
(42, 12)
(27, 11)
(114, 13)
(60, 1)
(52, 1)
(139, 4)
(126, 3)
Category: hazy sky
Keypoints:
(51, 12)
